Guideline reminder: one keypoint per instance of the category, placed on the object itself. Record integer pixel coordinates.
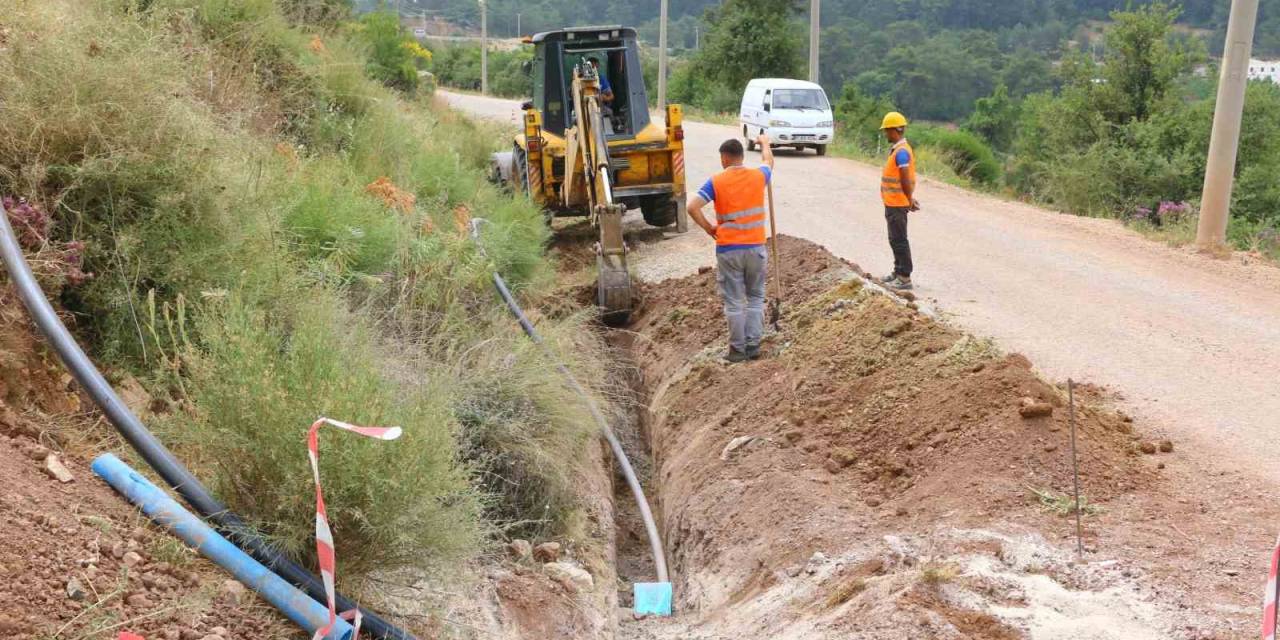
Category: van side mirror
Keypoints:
(766, 107)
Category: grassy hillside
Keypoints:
(268, 236)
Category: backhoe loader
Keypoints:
(589, 148)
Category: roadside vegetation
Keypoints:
(255, 209)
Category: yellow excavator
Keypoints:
(589, 148)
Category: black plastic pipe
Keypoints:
(619, 455)
(152, 450)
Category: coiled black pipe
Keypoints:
(152, 450)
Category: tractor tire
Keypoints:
(659, 211)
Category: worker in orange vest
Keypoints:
(897, 190)
(742, 261)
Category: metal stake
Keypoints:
(1075, 464)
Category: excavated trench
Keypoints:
(881, 475)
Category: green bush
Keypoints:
(391, 51)
(858, 118)
(964, 152)
(260, 379)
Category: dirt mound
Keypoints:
(78, 561)
(865, 420)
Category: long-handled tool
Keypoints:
(775, 308)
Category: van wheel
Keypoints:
(751, 145)
(821, 149)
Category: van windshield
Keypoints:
(799, 99)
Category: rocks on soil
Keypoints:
(734, 445)
(56, 470)
(1031, 408)
(573, 578)
(520, 550)
(547, 552)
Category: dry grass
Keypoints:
(258, 288)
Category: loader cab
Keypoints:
(557, 53)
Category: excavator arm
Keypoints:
(588, 155)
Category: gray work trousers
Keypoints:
(741, 274)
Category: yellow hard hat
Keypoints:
(893, 120)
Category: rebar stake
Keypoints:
(1075, 465)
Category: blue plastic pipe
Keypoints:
(151, 449)
(296, 605)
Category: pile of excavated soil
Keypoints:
(76, 560)
(838, 480)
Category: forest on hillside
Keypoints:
(1038, 24)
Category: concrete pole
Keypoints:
(662, 57)
(1215, 201)
(484, 48)
(815, 10)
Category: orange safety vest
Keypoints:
(740, 214)
(891, 178)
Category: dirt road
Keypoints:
(1192, 343)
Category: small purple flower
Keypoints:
(1142, 213)
(1173, 210)
(29, 221)
(33, 225)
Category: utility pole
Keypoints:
(662, 56)
(484, 48)
(1215, 201)
(518, 32)
(815, 10)
(697, 37)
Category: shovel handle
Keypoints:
(773, 243)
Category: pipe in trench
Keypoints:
(650, 526)
(156, 455)
(166, 512)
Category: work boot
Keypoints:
(734, 356)
(903, 283)
(753, 352)
(889, 279)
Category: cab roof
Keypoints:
(783, 83)
(586, 34)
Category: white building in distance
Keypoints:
(1264, 70)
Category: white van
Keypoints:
(794, 113)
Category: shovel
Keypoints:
(775, 307)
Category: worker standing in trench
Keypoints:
(742, 260)
(897, 190)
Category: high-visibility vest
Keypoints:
(891, 179)
(740, 214)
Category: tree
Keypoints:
(751, 39)
(1142, 61)
(995, 118)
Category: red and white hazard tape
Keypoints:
(1269, 598)
(324, 536)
